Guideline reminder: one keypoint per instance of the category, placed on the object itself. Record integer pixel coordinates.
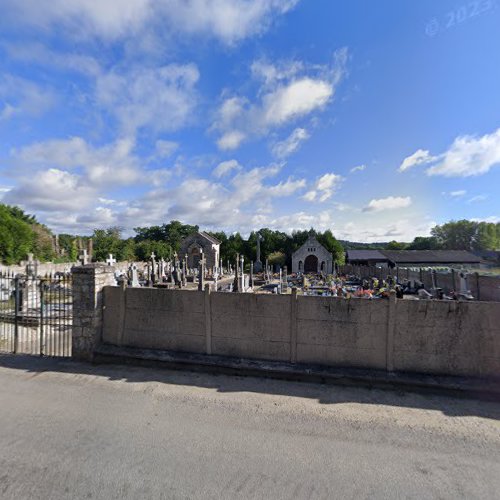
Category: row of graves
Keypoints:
(176, 274)
(351, 286)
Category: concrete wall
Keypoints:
(440, 337)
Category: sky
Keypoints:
(375, 119)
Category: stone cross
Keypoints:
(258, 262)
(84, 258)
(110, 261)
(31, 270)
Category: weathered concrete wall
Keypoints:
(155, 319)
(342, 332)
(440, 337)
(251, 325)
(460, 338)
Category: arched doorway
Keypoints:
(311, 264)
(194, 255)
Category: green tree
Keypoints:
(332, 245)
(396, 245)
(424, 243)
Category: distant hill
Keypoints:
(353, 245)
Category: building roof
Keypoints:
(311, 240)
(366, 255)
(213, 240)
(431, 256)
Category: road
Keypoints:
(71, 431)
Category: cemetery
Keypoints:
(374, 317)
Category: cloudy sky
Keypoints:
(374, 119)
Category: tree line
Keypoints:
(21, 233)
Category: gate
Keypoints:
(36, 314)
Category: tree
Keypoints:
(277, 259)
(396, 245)
(456, 235)
(106, 241)
(424, 243)
(16, 234)
(333, 246)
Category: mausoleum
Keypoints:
(197, 244)
(312, 257)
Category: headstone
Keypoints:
(258, 262)
(236, 284)
(84, 258)
(242, 261)
(250, 284)
(201, 274)
(110, 261)
(31, 266)
(134, 278)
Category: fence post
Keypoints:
(88, 283)
(16, 314)
(293, 325)
(477, 286)
(208, 319)
(391, 326)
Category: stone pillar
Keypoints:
(88, 282)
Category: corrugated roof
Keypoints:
(431, 256)
(365, 255)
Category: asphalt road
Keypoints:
(72, 431)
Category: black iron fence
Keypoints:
(36, 314)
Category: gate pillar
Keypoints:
(88, 282)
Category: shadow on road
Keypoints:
(324, 394)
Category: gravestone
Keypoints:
(83, 257)
(134, 277)
(110, 261)
(258, 262)
(201, 274)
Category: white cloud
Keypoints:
(479, 197)
(287, 93)
(230, 140)
(389, 203)
(458, 194)
(323, 188)
(359, 168)
(225, 167)
(226, 20)
(23, 96)
(294, 100)
(420, 157)
(291, 144)
(469, 156)
(112, 164)
(164, 149)
(162, 99)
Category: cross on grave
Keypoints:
(134, 278)
(110, 261)
(84, 258)
(31, 266)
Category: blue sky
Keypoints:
(376, 119)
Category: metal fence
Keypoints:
(36, 314)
